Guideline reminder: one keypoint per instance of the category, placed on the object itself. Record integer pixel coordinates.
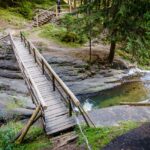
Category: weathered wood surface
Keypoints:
(46, 88)
(56, 114)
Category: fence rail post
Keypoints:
(43, 67)
(56, 11)
(70, 107)
(37, 20)
(53, 80)
(34, 55)
(29, 47)
(21, 36)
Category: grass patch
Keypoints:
(57, 34)
(12, 18)
(100, 137)
(35, 138)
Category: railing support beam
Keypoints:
(70, 108)
(34, 55)
(43, 70)
(53, 80)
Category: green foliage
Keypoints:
(100, 137)
(74, 28)
(62, 35)
(127, 21)
(34, 140)
(26, 10)
(52, 31)
(26, 7)
(11, 17)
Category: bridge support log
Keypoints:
(27, 127)
(19, 134)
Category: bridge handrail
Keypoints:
(43, 104)
(43, 63)
(53, 73)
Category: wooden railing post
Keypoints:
(24, 41)
(37, 20)
(70, 6)
(21, 36)
(53, 80)
(56, 11)
(70, 107)
(43, 70)
(29, 47)
(34, 55)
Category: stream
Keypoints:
(132, 90)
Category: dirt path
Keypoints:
(49, 46)
(137, 139)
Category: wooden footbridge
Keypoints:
(49, 93)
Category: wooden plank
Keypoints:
(52, 107)
(46, 86)
(37, 75)
(53, 102)
(53, 114)
(47, 89)
(31, 65)
(43, 84)
(50, 116)
(49, 93)
(42, 79)
(55, 111)
(60, 128)
(28, 61)
(34, 70)
(59, 123)
(48, 100)
(66, 116)
(55, 118)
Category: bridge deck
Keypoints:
(56, 114)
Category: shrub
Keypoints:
(34, 139)
(26, 10)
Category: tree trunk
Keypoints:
(112, 52)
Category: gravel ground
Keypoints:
(136, 139)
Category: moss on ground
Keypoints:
(100, 137)
(35, 139)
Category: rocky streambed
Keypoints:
(15, 102)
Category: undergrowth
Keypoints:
(34, 140)
(10, 17)
(60, 35)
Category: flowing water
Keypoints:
(132, 91)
